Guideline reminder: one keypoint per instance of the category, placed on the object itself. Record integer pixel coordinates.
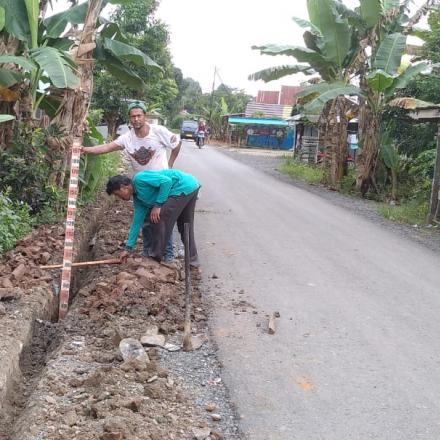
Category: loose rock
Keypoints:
(132, 349)
(210, 407)
(201, 433)
(153, 340)
(19, 272)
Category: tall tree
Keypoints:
(330, 50)
(140, 28)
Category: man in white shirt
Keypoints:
(145, 148)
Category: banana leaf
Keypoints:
(409, 103)
(389, 55)
(122, 72)
(307, 25)
(371, 12)
(303, 55)
(319, 88)
(333, 92)
(56, 24)
(335, 31)
(388, 151)
(8, 77)
(2, 18)
(19, 60)
(403, 80)
(57, 66)
(16, 19)
(387, 5)
(380, 81)
(126, 52)
(6, 118)
(274, 73)
(33, 9)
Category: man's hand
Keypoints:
(155, 214)
(101, 149)
(123, 256)
(174, 154)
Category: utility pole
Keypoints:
(212, 97)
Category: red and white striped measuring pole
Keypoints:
(72, 196)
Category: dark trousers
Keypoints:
(178, 209)
(146, 241)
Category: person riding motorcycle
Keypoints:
(201, 134)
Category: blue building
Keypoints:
(263, 132)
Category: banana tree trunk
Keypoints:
(9, 46)
(341, 145)
(73, 110)
(333, 131)
(434, 206)
(394, 184)
(369, 147)
(112, 125)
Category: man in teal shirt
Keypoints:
(167, 196)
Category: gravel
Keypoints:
(201, 374)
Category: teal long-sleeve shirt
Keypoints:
(152, 188)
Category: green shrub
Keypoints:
(305, 172)
(25, 168)
(14, 222)
(348, 182)
(95, 169)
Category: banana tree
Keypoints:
(374, 59)
(33, 57)
(380, 74)
(389, 153)
(330, 51)
(44, 52)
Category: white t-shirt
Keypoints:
(149, 152)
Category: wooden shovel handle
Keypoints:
(85, 263)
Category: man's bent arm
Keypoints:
(102, 149)
(139, 214)
(173, 156)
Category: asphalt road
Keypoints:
(356, 353)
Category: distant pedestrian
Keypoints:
(279, 134)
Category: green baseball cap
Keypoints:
(137, 104)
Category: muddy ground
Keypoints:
(70, 379)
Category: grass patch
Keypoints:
(305, 172)
(348, 182)
(413, 212)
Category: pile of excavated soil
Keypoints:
(20, 268)
(74, 381)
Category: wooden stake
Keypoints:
(271, 324)
(187, 342)
(84, 263)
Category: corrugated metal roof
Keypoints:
(288, 95)
(269, 110)
(268, 97)
(257, 121)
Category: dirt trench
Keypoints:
(69, 380)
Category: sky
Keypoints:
(209, 34)
(220, 33)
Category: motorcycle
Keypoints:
(200, 138)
